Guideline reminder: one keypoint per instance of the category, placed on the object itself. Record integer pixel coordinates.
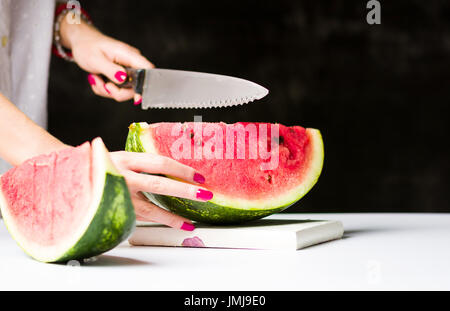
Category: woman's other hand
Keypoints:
(130, 165)
(99, 54)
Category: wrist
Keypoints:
(71, 22)
(71, 33)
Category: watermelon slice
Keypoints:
(253, 169)
(71, 204)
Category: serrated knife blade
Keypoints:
(167, 88)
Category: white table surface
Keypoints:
(378, 252)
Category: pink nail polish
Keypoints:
(198, 178)
(106, 89)
(120, 76)
(204, 195)
(187, 227)
(91, 79)
(138, 102)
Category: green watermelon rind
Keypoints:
(208, 212)
(222, 209)
(110, 222)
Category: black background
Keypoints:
(378, 93)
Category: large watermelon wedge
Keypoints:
(71, 204)
(246, 185)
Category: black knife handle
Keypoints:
(134, 79)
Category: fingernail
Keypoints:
(198, 178)
(187, 226)
(91, 79)
(138, 102)
(120, 76)
(204, 195)
(106, 89)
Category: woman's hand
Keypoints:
(131, 164)
(100, 54)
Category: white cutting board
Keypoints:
(269, 233)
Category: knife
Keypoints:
(167, 88)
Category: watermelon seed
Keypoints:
(279, 140)
(191, 135)
(269, 179)
(291, 155)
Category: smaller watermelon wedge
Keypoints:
(253, 169)
(70, 204)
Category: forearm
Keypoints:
(20, 137)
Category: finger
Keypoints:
(111, 65)
(166, 186)
(146, 211)
(98, 86)
(118, 93)
(137, 99)
(111, 70)
(157, 164)
(128, 56)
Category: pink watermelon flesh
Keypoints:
(49, 208)
(243, 178)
